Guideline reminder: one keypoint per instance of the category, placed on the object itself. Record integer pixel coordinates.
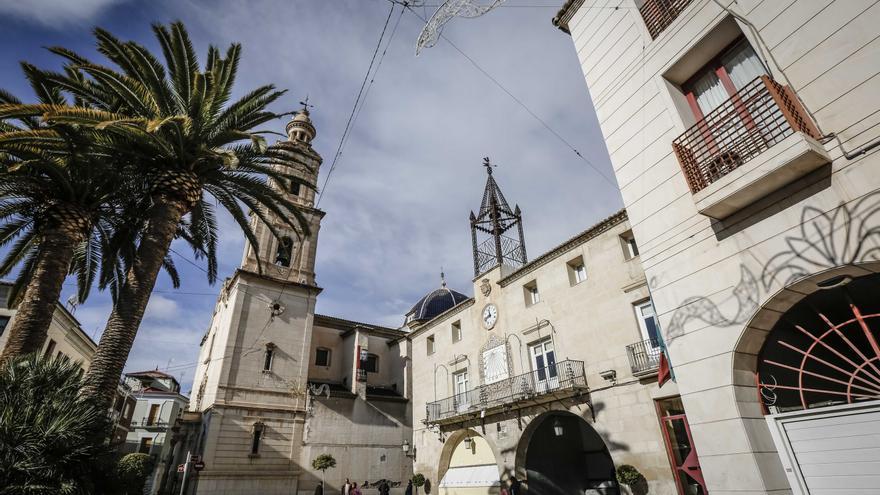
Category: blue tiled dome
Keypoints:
(434, 303)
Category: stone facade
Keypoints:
(726, 260)
(587, 320)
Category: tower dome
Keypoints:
(300, 127)
(434, 303)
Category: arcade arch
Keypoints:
(468, 465)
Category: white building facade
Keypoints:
(743, 135)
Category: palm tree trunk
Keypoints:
(122, 325)
(34, 315)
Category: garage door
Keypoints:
(830, 451)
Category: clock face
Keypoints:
(490, 316)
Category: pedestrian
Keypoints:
(408, 488)
(383, 487)
(514, 486)
(503, 491)
(319, 490)
(355, 490)
(346, 488)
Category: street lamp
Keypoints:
(406, 448)
(557, 428)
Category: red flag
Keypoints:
(663, 373)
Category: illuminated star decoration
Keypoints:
(448, 10)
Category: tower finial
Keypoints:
(488, 165)
(306, 105)
(442, 277)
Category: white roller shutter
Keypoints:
(830, 451)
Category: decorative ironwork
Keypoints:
(760, 115)
(449, 9)
(659, 14)
(543, 382)
(493, 221)
(644, 357)
(803, 367)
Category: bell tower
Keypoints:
(496, 231)
(291, 255)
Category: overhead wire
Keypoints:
(354, 109)
(514, 98)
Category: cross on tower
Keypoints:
(305, 104)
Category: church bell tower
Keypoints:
(496, 231)
(291, 255)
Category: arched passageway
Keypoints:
(468, 466)
(562, 454)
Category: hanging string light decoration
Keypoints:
(448, 10)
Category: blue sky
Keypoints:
(398, 202)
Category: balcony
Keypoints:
(148, 423)
(756, 142)
(562, 380)
(644, 358)
(659, 14)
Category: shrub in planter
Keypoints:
(132, 471)
(630, 476)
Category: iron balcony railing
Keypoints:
(760, 115)
(155, 423)
(659, 14)
(564, 375)
(644, 357)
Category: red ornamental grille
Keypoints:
(760, 115)
(837, 364)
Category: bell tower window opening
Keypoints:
(371, 364)
(294, 188)
(284, 252)
(257, 438)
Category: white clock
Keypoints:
(490, 316)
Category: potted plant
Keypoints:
(632, 479)
(418, 480)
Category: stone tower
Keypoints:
(250, 383)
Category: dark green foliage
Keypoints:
(629, 475)
(323, 462)
(52, 441)
(418, 479)
(132, 471)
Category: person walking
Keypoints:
(346, 488)
(408, 488)
(319, 490)
(355, 490)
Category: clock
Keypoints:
(490, 316)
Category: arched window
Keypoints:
(284, 252)
(268, 357)
(257, 437)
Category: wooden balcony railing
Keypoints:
(644, 357)
(549, 381)
(659, 14)
(760, 115)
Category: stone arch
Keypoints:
(756, 331)
(453, 442)
(594, 470)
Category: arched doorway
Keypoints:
(562, 454)
(817, 372)
(468, 466)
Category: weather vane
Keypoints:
(488, 165)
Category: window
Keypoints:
(294, 188)
(460, 382)
(4, 296)
(322, 356)
(257, 437)
(152, 417)
(371, 364)
(456, 331)
(62, 357)
(145, 446)
(4, 320)
(50, 348)
(530, 290)
(577, 271)
(628, 242)
(648, 323)
(285, 251)
(268, 357)
(722, 78)
(430, 345)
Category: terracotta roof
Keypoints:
(584, 236)
(350, 325)
(151, 374)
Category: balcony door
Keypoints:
(648, 324)
(544, 366)
(680, 447)
(460, 384)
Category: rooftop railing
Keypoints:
(644, 357)
(757, 117)
(659, 14)
(562, 376)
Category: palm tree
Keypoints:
(52, 440)
(187, 140)
(60, 193)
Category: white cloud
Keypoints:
(161, 308)
(56, 12)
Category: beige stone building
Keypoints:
(743, 135)
(66, 337)
(547, 375)
(278, 385)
